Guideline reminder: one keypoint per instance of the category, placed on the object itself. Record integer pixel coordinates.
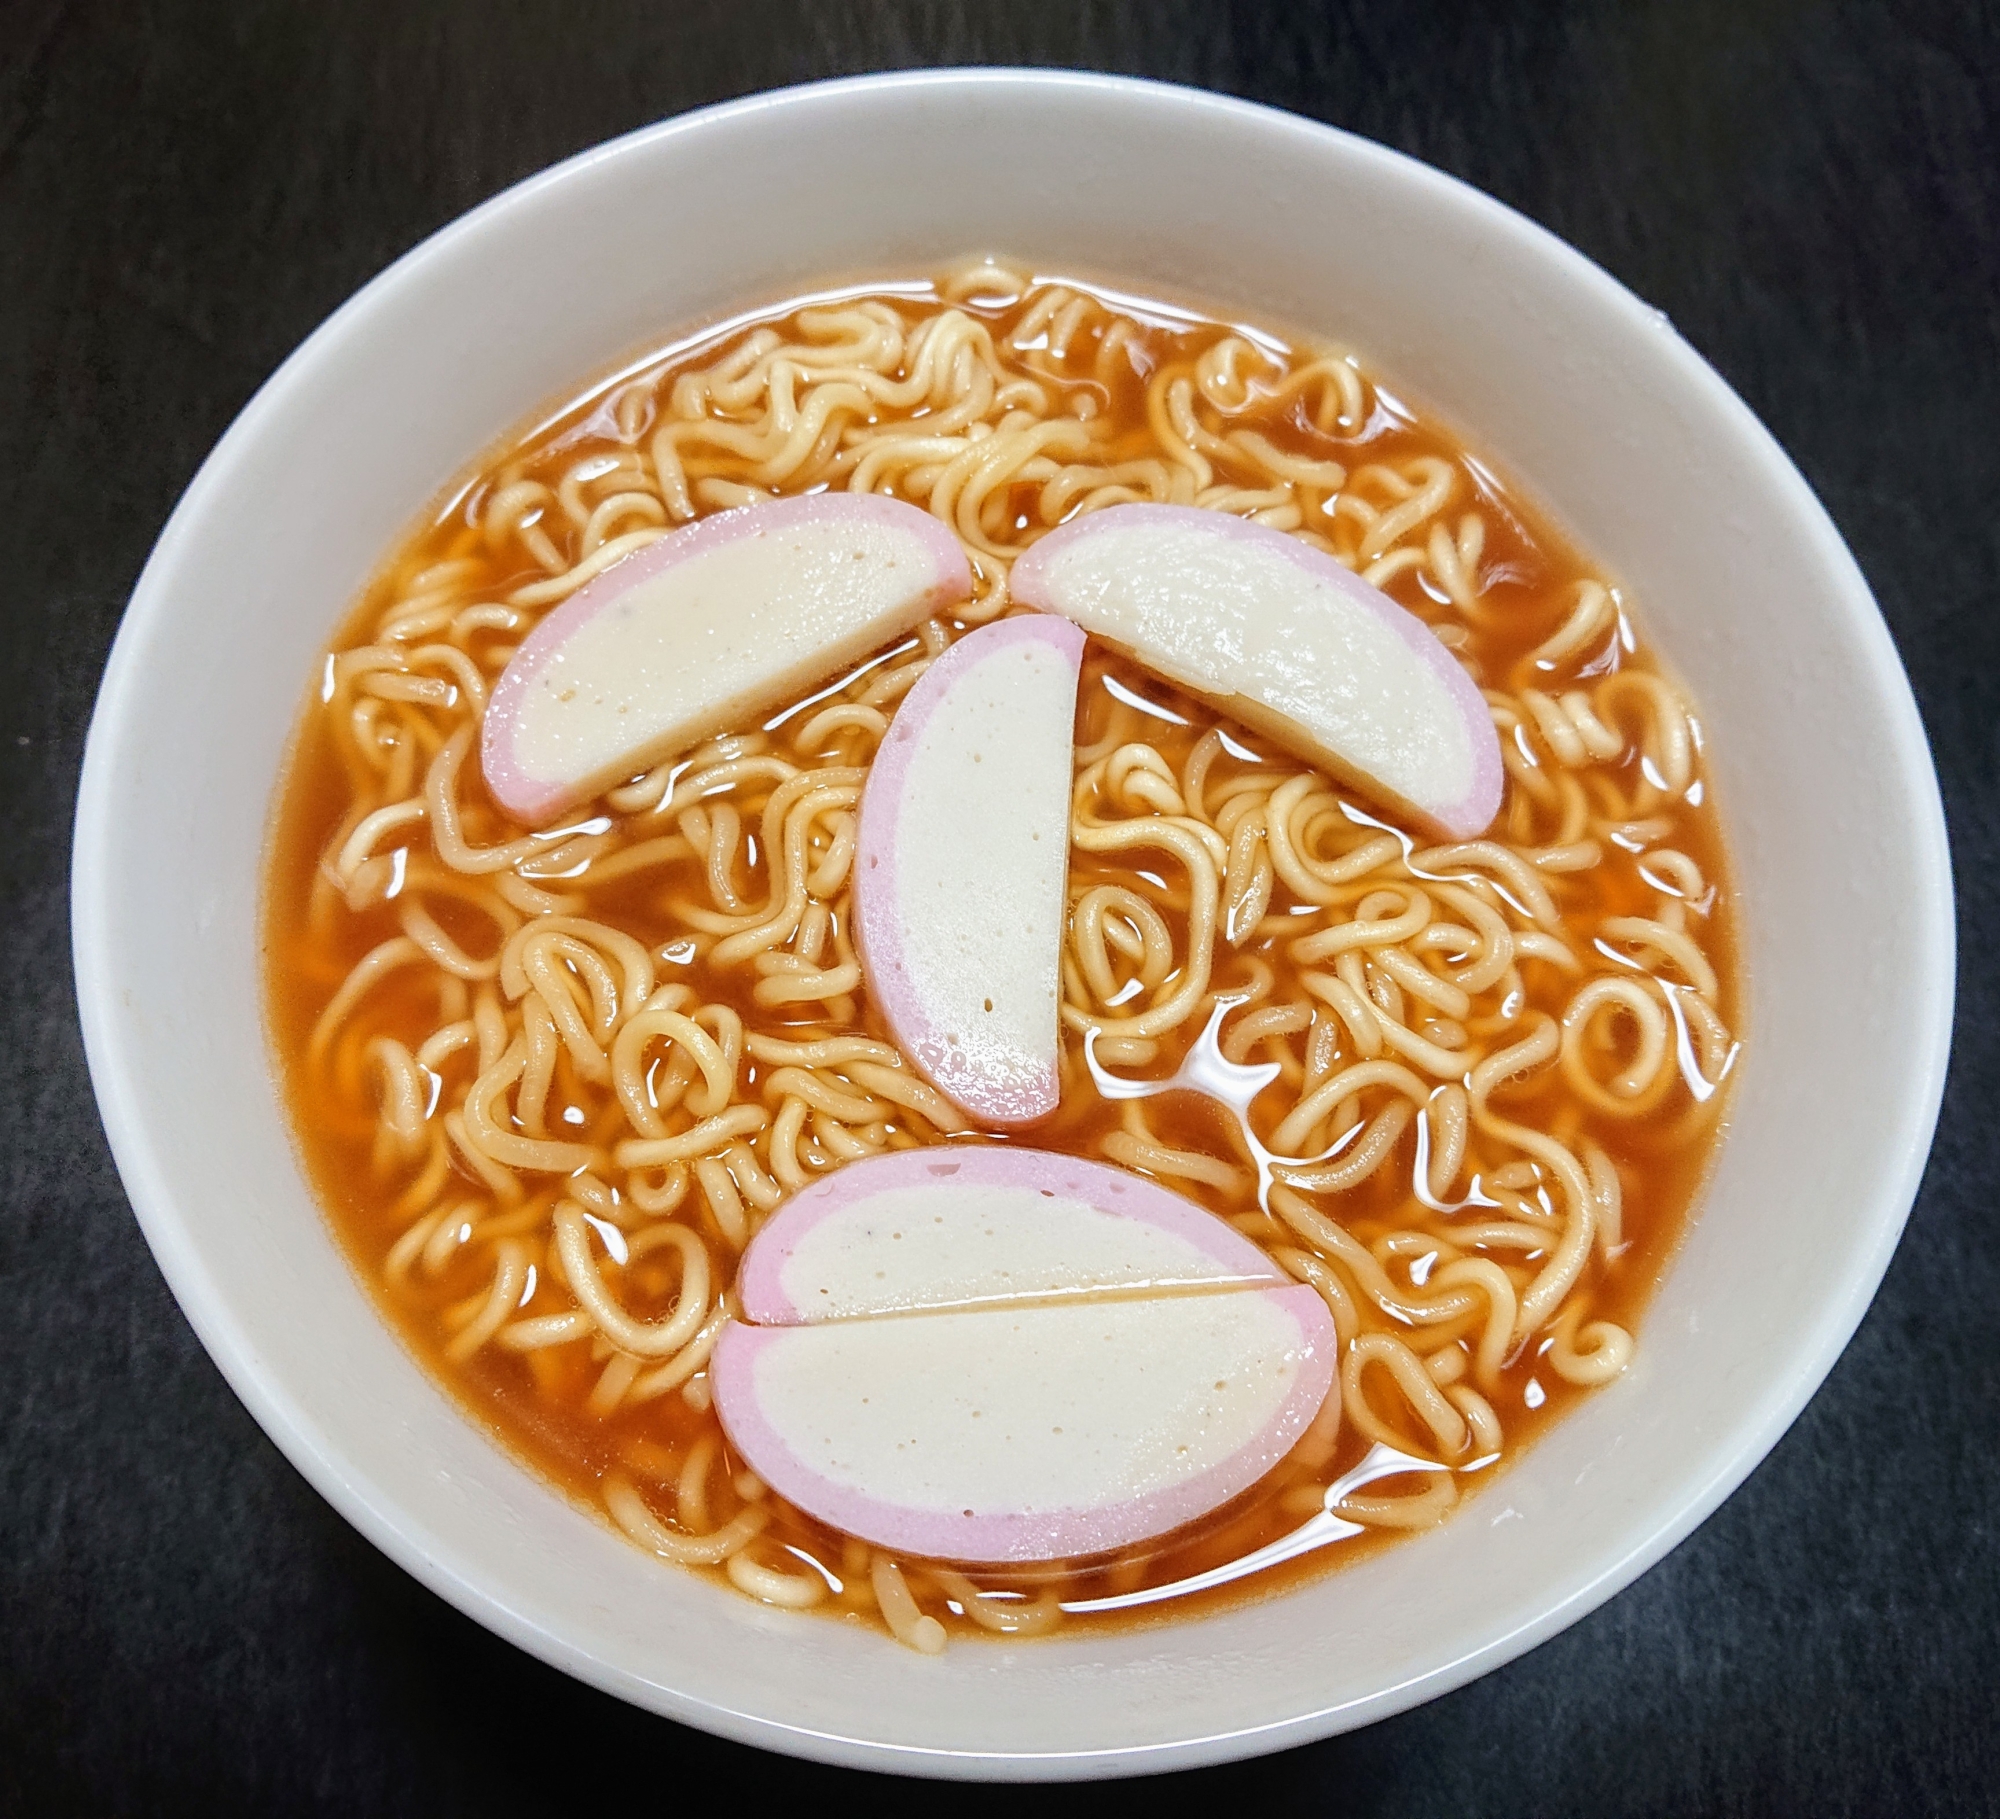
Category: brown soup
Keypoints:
(1520, 1071)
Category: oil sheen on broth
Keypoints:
(1523, 1066)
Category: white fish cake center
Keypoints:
(1042, 1409)
(982, 840)
(709, 630)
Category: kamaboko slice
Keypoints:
(704, 631)
(962, 862)
(1280, 635)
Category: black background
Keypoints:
(1812, 192)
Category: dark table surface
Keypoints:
(1812, 192)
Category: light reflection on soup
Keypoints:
(1514, 1048)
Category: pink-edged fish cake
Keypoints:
(703, 631)
(1280, 635)
(962, 862)
(990, 1354)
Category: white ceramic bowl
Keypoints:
(1577, 387)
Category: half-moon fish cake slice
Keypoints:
(705, 630)
(975, 1225)
(1280, 635)
(962, 863)
(1027, 1433)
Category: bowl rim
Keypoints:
(121, 1092)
